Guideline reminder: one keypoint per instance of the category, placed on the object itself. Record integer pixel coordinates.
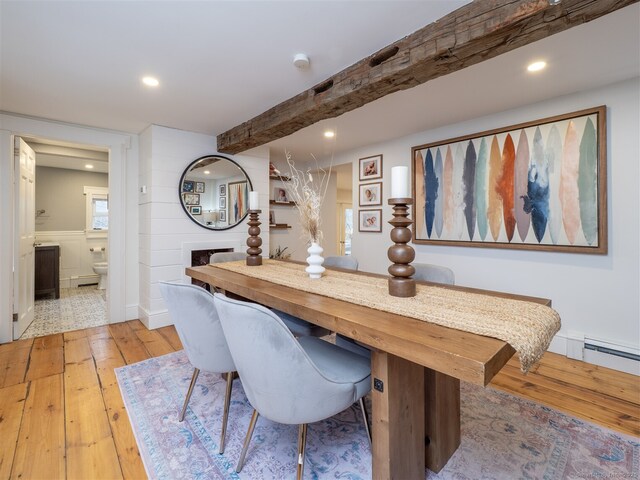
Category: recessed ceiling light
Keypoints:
(329, 134)
(89, 166)
(206, 172)
(150, 81)
(536, 66)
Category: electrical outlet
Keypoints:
(378, 385)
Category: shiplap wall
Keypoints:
(166, 233)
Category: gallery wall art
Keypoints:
(539, 185)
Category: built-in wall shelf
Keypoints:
(279, 226)
(284, 178)
(284, 204)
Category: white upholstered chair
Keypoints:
(289, 381)
(196, 319)
(299, 327)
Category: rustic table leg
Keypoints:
(442, 418)
(398, 417)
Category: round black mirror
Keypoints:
(214, 191)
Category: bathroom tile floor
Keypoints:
(77, 308)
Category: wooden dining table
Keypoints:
(416, 368)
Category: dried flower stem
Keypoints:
(308, 195)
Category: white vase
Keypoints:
(315, 261)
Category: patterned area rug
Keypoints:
(503, 437)
(77, 308)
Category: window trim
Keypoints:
(90, 194)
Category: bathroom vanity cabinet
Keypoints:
(47, 270)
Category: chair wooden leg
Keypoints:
(366, 419)
(196, 372)
(247, 440)
(302, 441)
(225, 415)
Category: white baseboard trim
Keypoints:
(131, 312)
(572, 346)
(153, 320)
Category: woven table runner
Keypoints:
(528, 327)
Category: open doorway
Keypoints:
(344, 207)
(70, 238)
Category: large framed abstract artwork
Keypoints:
(238, 201)
(539, 185)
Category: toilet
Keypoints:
(101, 269)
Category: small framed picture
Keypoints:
(199, 187)
(371, 194)
(280, 195)
(196, 210)
(223, 190)
(371, 167)
(223, 215)
(222, 202)
(370, 220)
(272, 217)
(187, 186)
(192, 199)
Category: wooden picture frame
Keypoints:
(539, 185)
(370, 194)
(370, 167)
(199, 187)
(238, 205)
(191, 198)
(195, 210)
(188, 186)
(370, 220)
(280, 195)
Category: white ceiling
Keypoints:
(604, 51)
(221, 63)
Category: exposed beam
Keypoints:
(475, 32)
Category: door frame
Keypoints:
(121, 147)
(342, 206)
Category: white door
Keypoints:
(24, 265)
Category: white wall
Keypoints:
(596, 295)
(292, 238)
(76, 257)
(122, 296)
(166, 233)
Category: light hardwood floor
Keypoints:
(62, 415)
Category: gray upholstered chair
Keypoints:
(433, 273)
(196, 319)
(299, 327)
(348, 262)
(289, 381)
(222, 257)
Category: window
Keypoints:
(97, 210)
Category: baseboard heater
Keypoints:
(611, 351)
(85, 280)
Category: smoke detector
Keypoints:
(301, 61)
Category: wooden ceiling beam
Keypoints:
(472, 34)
